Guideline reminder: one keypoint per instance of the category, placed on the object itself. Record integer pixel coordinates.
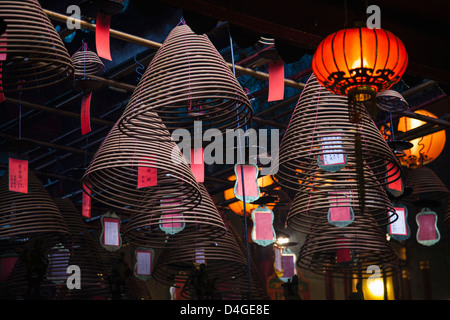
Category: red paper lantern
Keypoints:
(359, 62)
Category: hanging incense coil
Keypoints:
(426, 185)
(320, 127)
(84, 254)
(223, 258)
(86, 62)
(35, 54)
(158, 227)
(134, 289)
(310, 210)
(29, 216)
(347, 250)
(31, 225)
(112, 176)
(187, 81)
(447, 215)
(391, 101)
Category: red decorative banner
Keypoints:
(18, 175)
(86, 113)
(197, 164)
(102, 36)
(343, 254)
(147, 176)
(6, 266)
(394, 187)
(3, 47)
(2, 95)
(276, 80)
(86, 206)
(2, 58)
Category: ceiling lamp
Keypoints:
(425, 149)
(187, 81)
(32, 54)
(360, 62)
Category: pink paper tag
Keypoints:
(85, 113)
(102, 36)
(147, 176)
(276, 80)
(197, 164)
(86, 204)
(340, 206)
(263, 225)
(172, 220)
(250, 182)
(18, 175)
(288, 266)
(427, 227)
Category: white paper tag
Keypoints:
(111, 233)
(398, 227)
(331, 144)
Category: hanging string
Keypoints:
(243, 188)
(141, 67)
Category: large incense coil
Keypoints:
(112, 175)
(202, 223)
(320, 114)
(223, 258)
(135, 289)
(187, 81)
(84, 254)
(86, 63)
(29, 216)
(426, 185)
(368, 246)
(309, 210)
(35, 54)
(447, 215)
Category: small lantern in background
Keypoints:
(425, 149)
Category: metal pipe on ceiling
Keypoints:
(155, 45)
(46, 144)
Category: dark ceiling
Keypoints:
(59, 153)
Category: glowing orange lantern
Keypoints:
(359, 62)
(238, 206)
(425, 149)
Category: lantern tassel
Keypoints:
(360, 171)
(355, 117)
